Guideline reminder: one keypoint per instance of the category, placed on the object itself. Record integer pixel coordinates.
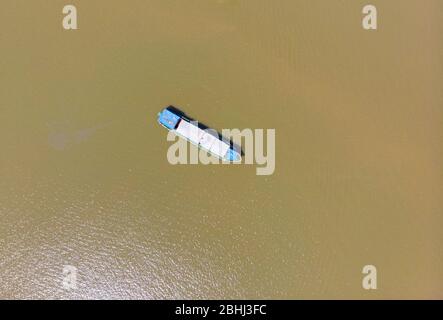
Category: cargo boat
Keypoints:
(207, 139)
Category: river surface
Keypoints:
(85, 182)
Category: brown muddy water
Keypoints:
(84, 179)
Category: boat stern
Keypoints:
(232, 156)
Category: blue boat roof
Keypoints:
(168, 118)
